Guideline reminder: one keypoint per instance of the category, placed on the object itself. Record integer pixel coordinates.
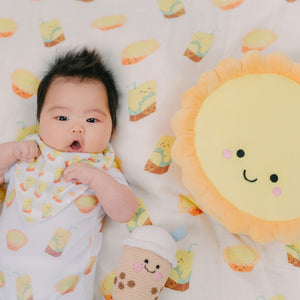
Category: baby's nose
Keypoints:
(78, 129)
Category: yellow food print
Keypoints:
(24, 287)
(135, 52)
(67, 284)
(107, 285)
(7, 27)
(258, 39)
(199, 45)
(142, 100)
(227, 4)
(24, 83)
(109, 22)
(52, 33)
(10, 198)
(241, 258)
(171, 8)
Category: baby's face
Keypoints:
(248, 144)
(75, 116)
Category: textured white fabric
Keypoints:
(167, 73)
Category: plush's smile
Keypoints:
(245, 177)
(149, 270)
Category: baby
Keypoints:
(62, 181)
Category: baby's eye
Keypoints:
(61, 118)
(92, 120)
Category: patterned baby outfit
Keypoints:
(50, 230)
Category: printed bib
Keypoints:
(41, 191)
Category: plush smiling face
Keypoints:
(237, 142)
(247, 141)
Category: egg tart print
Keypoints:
(138, 51)
(241, 258)
(227, 4)
(86, 203)
(67, 284)
(24, 83)
(109, 22)
(16, 239)
(258, 39)
(7, 27)
(237, 145)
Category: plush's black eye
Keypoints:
(240, 153)
(157, 267)
(146, 261)
(274, 178)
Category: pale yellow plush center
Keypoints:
(260, 115)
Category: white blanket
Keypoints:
(157, 50)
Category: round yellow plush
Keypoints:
(238, 145)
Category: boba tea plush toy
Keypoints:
(145, 262)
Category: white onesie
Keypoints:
(50, 230)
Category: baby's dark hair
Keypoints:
(82, 64)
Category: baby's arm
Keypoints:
(12, 151)
(118, 200)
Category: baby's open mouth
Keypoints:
(75, 147)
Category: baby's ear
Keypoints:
(145, 263)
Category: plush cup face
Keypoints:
(75, 116)
(247, 142)
(141, 274)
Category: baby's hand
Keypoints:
(26, 150)
(80, 172)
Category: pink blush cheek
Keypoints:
(137, 267)
(227, 153)
(276, 191)
(157, 276)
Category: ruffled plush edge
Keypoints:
(184, 152)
